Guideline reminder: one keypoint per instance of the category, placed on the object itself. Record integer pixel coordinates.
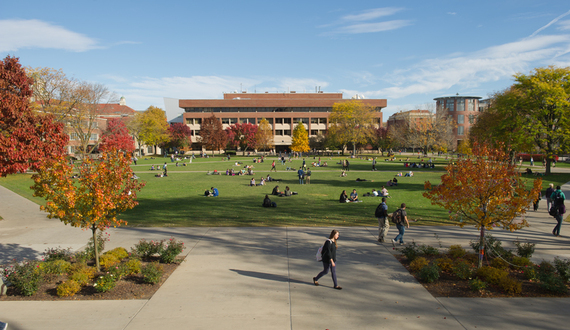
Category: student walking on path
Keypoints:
(273, 167)
(559, 209)
(400, 217)
(383, 223)
(329, 259)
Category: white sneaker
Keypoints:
(394, 243)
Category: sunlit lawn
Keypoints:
(177, 200)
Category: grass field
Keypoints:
(177, 200)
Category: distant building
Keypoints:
(403, 117)
(282, 110)
(464, 111)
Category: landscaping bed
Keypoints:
(454, 273)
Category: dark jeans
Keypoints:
(556, 230)
(401, 231)
(326, 267)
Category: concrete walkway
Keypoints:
(261, 278)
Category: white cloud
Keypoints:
(451, 13)
(372, 14)
(564, 25)
(471, 70)
(374, 27)
(17, 34)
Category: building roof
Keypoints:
(457, 97)
(114, 110)
(278, 100)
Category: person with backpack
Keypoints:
(400, 218)
(329, 259)
(558, 209)
(548, 193)
(383, 223)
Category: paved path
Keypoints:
(260, 278)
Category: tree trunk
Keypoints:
(481, 247)
(96, 248)
(548, 164)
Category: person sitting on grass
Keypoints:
(353, 196)
(394, 182)
(343, 197)
(214, 192)
(252, 182)
(289, 192)
(343, 174)
(268, 203)
(276, 191)
(384, 192)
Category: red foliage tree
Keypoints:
(180, 135)
(26, 139)
(242, 136)
(117, 136)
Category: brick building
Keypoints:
(403, 117)
(464, 111)
(282, 110)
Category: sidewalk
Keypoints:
(261, 278)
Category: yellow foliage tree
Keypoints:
(485, 190)
(264, 135)
(300, 139)
(153, 130)
(351, 122)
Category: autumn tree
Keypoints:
(135, 127)
(300, 139)
(116, 136)
(212, 134)
(265, 135)
(242, 136)
(424, 129)
(104, 188)
(26, 139)
(180, 135)
(153, 130)
(485, 190)
(380, 139)
(351, 122)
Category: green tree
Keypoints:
(300, 139)
(104, 189)
(352, 122)
(154, 127)
(264, 135)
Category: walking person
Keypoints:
(558, 204)
(374, 164)
(383, 223)
(273, 167)
(301, 174)
(400, 217)
(329, 259)
(548, 193)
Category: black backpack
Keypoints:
(380, 212)
(397, 217)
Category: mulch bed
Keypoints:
(448, 285)
(130, 287)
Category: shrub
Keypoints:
(105, 283)
(510, 285)
(456, 251)
(151, 273)
(521, 261)
(524, 250)
(418, 264)
(477, 285)
(145, 249)
(545, 267)
(552, 282)
(471, 258)
(172, 249)
(132, 266)
(428, 250)
(81, 257)
(108, 260)
(120, 252)
(491, 275)
(26, 277)
(499, 264)
(55, 267)
(562, 268)
(411, 251)
(58, 253)
(429, 273)
(493, 245)
(461, 269)
(445, 264)
(530, 273)
(81, 273)
(68, 288)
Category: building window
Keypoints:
(450, 105)
(233, 120)
(314, 120)
(189, 121)
(278, 120)
(279, 132)
(150, 150)
(93, 137)
(198, 121)
(471, 105)
(301, 120)
(251, 120)
(226, 121)
(243, 120)
(460, 104)
(471, 119)
(287, 132)
(460, 119)
(459, 130)
(322, 120)
(286, 120)
(314, 132)
(196, 132)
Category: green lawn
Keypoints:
(177, 200)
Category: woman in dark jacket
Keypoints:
(343, 197)
(329, 259)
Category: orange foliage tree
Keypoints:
(103, 188)
(484, 190)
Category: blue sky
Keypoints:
(407, 52)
